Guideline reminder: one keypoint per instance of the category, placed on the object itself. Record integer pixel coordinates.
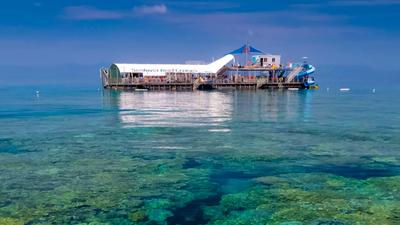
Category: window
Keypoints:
(273, 59)
(265, 59)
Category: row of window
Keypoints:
(266, 60)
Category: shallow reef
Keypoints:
(225, 158)
(311, 199)
(84, 183)
(98, 189)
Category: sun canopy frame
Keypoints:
(246, 49)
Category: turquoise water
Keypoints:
(80, 156)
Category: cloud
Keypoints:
(151, 9)
(247, 20)
(204, 5)
(90, 13)
(84, 12)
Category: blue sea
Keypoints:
(93, 156)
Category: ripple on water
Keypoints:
(200, 158)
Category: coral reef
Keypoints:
(283, 159)
(311, 199)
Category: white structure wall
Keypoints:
(163, 69)
(267, 60)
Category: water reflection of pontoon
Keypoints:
(168, 109)
(214, 109)
(272, 106)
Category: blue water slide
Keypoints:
(307, 70)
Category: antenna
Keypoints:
(247, 50)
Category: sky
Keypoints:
(67, 41)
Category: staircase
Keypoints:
(261, 81)
(221, 73)
(293, 74)
(104, 76)
(197, 82)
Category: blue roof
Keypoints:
(245, 49)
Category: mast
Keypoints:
(247, 50)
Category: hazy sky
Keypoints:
(48, 33)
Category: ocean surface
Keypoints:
(88, 156)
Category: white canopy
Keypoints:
(162, 69)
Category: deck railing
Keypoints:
(107, 80)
